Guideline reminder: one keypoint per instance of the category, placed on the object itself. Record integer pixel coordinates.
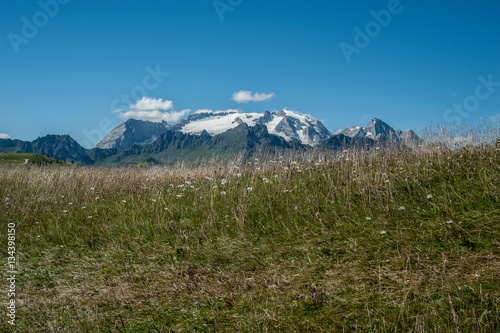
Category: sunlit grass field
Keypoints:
(370, 240)
(25, 158)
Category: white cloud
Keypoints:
(4, 136)
(227, 111)
(204, 111)
(244, 96)
(495, 118)
(152, 104)
(152, 109)
(463, 140)
(217, 111)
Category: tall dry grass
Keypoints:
(353, 240)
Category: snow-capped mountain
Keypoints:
(206, 133)
(286, 124)
(378, 130)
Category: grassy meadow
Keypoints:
(27, 158)
(371, 240)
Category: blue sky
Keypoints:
(69, 73)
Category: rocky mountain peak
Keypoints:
(133, 132)
(379, 130)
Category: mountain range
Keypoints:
(208, 133)
(286, 124)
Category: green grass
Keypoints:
(321, 246)
(25, 158)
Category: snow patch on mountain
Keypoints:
(285, 123)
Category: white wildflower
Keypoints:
(223, 181)
(222, 193)
(368, 218)
(401, 208)
(383, 232)
(249, 189)
(429, 196)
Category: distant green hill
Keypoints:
(61, 147)
(27, 158)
